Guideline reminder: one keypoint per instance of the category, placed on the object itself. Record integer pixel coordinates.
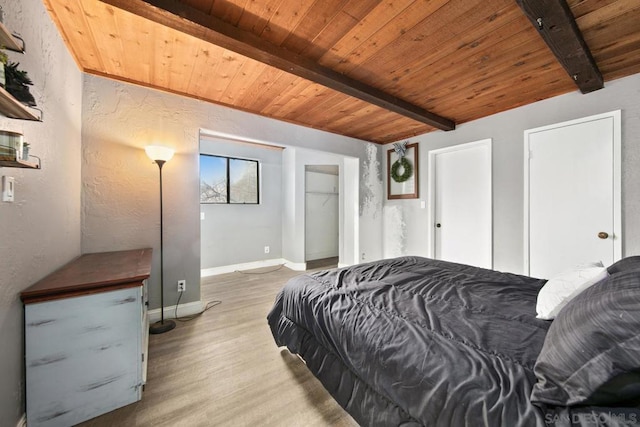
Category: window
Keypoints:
(228, 180)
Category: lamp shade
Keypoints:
(159, 152)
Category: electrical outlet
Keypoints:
(182, 285)
(267, 249)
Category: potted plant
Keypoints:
(16, 84)
(25, 151)
(3, 61)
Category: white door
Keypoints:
(572, 194)
(460, 199)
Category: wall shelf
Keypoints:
(9, 41)
(11, 107)
(10, 161)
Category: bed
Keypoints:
(414, 341)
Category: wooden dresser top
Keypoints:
(91, 273)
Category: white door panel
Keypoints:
(571, 195)
(461, 200)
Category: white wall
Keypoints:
(507, 130)
(372, 199)
(120, 184)
(40, 231)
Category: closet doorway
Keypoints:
(322, 215)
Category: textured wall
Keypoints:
(40, 231)
(394, 231)
(372, 198)
(507, 129)
(120, 194)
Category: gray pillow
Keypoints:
(594, 339)
(625, 264)
(621, 390)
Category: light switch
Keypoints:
(201, 216)
(423, 204)
(7, 188)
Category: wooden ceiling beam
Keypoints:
(557, 26)
(188, 20)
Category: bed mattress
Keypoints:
(414, 341)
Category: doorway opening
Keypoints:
(322, 215)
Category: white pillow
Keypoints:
(559, 290)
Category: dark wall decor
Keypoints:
(402, 171)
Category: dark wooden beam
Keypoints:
(557, 26)
(188, 20)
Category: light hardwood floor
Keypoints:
(224, 369)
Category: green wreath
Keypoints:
(406, 167)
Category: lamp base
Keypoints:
(162, 327)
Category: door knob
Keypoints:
(603, 235)
(438, 225)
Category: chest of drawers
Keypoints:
(86, 337)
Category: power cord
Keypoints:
(209, 305)
(262, 272)
(212, 304)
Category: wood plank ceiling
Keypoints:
(458, 59)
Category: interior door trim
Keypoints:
(617, 179)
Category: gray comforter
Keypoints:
(413, 341)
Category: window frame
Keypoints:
(228, 180)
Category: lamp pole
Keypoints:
(162, 326)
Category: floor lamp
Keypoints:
(160, 155)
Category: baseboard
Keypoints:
(320, 255)
(214, 271)
(23, 421)
(295, 266)
(342, 265)
(186, 309)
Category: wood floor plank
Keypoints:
(224, 369)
